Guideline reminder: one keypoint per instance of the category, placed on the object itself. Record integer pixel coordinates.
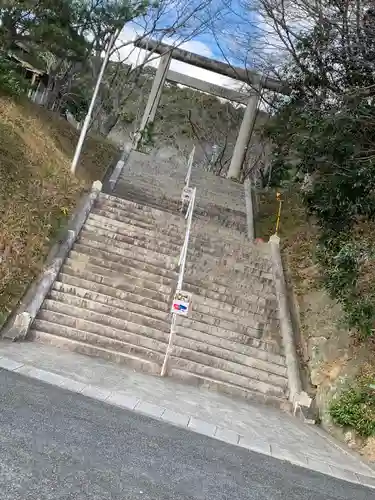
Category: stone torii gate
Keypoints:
(163, 73)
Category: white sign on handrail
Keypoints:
(181, 303)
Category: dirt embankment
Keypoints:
(37, 191)
(331, 356)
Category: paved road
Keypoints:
(58, 445)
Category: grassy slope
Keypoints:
(37, 192)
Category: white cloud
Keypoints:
(132, 55)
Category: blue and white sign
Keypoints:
(181, 304)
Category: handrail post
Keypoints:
(170, 345)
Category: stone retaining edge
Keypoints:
(249, 210)
(298, 397)
(118, 169)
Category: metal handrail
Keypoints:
(190, 166)
(187, 191)
(182, 259)
(181, 264)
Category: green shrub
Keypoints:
(11, 81)
(355, 408)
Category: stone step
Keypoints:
(209, 298)
(136, 207)
(119, 278)
(138, 210)
(229, 286)
(226, 361)
(120, 246)
(155, 242)
(123, 269)
(199, 319)
(154, 248)
(139, 363)
(228, 265)
(135, 232)
(229, 257)
(213, 179)
(113, 206)
(134, 304)
(242, 340)
(155, 185)
(209, 324)
(209, 242)
(155, 200)
(221, 185)
(173, 225)
(206, 236)
(219, 196)
(152, 185)
(139, 192)
(101, 245)
(120, 284)
(226, 377)
(129, 227)
(120, 313)
(256, 284)
(249, 319)
(79, 319)
(172, 233)
(122, 217)
(230, 296)
(133, 326)
(167, 206)
(96, 287)
(112, 238)
(221, 309)
(127, 217)
(233, 346)
(137, 265)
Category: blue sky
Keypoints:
(203, 44)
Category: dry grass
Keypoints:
(37, 191)
(296, 232)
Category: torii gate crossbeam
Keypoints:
(252, 78)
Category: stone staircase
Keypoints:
(113, 295)
(158, 181)
(231, 342)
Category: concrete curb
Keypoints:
(116, 174)
(249, 209)
(18, 327)
(182, 420)
(294, 379)
(118, 169)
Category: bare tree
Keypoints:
(176, 22)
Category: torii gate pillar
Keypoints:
(243, 138)
(155, 95)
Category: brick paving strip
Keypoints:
(255, 427)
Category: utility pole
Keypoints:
(86, 123)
